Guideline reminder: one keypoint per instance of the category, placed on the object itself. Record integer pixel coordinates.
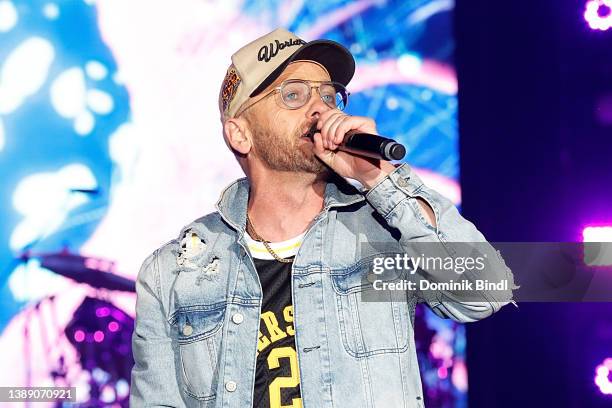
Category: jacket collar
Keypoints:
(232, 204)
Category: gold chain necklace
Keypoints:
(265, 243)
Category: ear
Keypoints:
(236, 135)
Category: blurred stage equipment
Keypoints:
(598, 14)
(91, 271)
(99, 331)
(101, 334)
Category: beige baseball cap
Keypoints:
(256, 65)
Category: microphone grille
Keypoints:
(396, 151)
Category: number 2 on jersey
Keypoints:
(284, 382)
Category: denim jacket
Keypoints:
(199, 297)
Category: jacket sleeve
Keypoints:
(154, 380)
(395, 198)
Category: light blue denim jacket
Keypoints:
(198, 305)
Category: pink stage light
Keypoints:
(598, 14)
(442, 372)
(597, 255)
(597, 234)
(98, 336)
(113, 326)
(79, 336)
(602, 376)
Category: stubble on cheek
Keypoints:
(281, 146)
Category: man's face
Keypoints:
(278, 132)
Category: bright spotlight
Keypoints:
(598, 14)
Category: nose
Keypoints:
(316, 106)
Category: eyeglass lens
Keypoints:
(296, 94)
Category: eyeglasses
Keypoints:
(296, 93)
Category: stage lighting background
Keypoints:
(110, 142)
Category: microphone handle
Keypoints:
(374, 146)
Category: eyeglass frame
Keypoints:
(305, 81)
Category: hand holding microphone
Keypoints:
(360, 142)
(351, 147)
(374, 146)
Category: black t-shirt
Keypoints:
(277, 378)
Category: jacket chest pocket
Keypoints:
(371, 322)
(199, 346)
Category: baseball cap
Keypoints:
(256, 65)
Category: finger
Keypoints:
(342, 128)
(365, 124)
(345, 127)
(318, 149)
(327, 122)
(325, 155)
(325, 129)
(334, 141)
(324, 116)
(358, 124)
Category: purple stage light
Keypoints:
(598, 14)
(113, 326)
(102, 311)
(603, 110)
(602, 376)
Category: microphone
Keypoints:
(368, 145)
(377, 147)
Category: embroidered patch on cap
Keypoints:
(229, 87)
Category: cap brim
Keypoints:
(338, 61)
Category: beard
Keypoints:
(283, 153)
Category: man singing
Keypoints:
(261, 303)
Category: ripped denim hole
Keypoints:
(209, 272)
(191, 249)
